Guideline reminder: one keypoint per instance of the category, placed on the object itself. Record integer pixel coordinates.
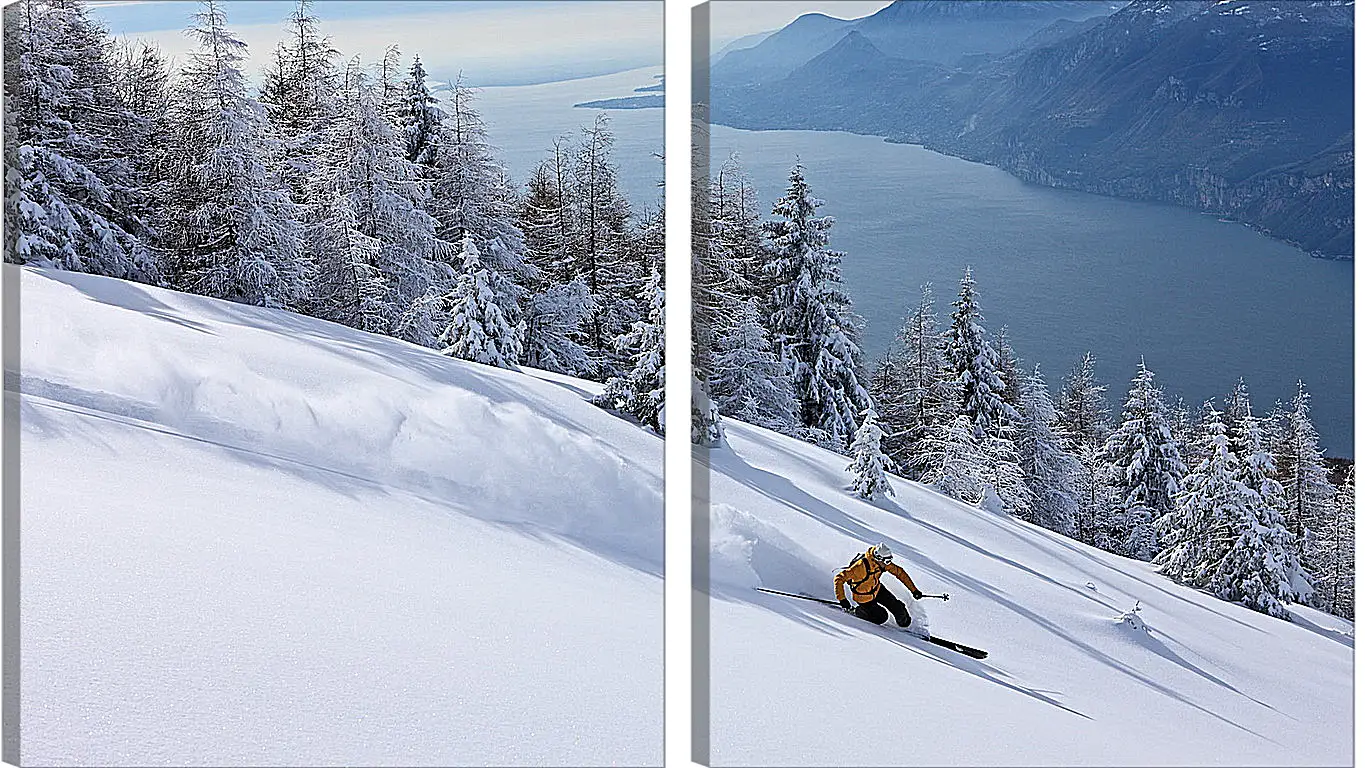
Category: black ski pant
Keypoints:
(875, 609)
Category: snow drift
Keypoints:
(251, 537)
(1075, 675)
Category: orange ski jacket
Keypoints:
(863, 577)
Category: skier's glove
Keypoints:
(918, 594)
(846, 605)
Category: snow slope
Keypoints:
(1066, 683)
(254, 538)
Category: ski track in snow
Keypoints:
(251, 537)
(1067, 682)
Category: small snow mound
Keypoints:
(1133, 621)
(991, 501)
(747, 552)
(1090, 585)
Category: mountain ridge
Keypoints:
(1230, 108)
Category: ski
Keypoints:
(966, 650)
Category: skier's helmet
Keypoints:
(882, 553)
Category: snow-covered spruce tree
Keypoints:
(716, 285)
(143, 84)
(234, 231)
(554, 317)
(975, 365)
(640, 392)
(1198, 532)
(738, 226)
(1008, 491)
(1303, 475)
(546, 218)
(748, 380)
(1222, 538)
(1049, 471)
(1010, 374)
(1258, 473)
(419, 117)
(1145, 465)
(1336, 552)
(472, 195)
(300, 96)
(1184, 429)
(962, 467)
(601, 243)
(478, 330)
(869, 464)
(389, 86)
(1237, 416)
(812, 320)
(70, 196)
(1083, 420)
(914, 394)
(374, 245)
(559, 303)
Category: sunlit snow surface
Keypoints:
(254, 538)
(1069, 680)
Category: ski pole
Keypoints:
(943, 596)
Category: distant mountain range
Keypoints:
(1241, 108)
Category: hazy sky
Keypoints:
(735, 18)
(493, 43)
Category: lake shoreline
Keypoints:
(1035, 180)
(1070, 271)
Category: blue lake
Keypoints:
(524, 120)
(1205, 301)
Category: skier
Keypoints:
(863, 576)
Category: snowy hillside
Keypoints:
(250, 537)
(1066, 683)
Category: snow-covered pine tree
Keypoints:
(734, 209)
(812, 320)
(1220, 537)
(601, 244)
(748, 380)
(1336, 551)
(1303, 475)
(962, 468)
(914, 394)
(1260, 568)
(1184, 429)
(640, 392)
(546, 219)
(70, 198)
(1145, 466)
(1010, 374)
(419, 118)
(869, 464)
(1237, 415)
(1050, 472)
(478, 330)
(143, 80)
(974, 364)
(716, 285)
(300, 96)
(1258, 473)
(235, 232)
(1083, 420)
(374, 245)
(389, 87)
(554, 317)
(472, 195)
